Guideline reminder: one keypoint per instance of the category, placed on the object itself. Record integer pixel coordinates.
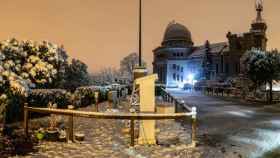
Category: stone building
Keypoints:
(178, 61)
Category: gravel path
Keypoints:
(230, 128)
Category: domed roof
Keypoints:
(176, 31)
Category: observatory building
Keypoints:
(178, 61)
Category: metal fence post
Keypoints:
(132, 132)
(25, 124)
(194, 113)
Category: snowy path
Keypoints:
(250, 130)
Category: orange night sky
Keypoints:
(102, 32)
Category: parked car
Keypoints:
(187, 86)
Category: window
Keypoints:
(174, 66)
(178, 68)
(182, 69)
(227, 68)
(222, 63)
(160, 74)
(178, 77)
(182, 54)
(237, 67)
(174, 76)
(217, 68)
(182, 78)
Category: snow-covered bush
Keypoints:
(24, 65)
(85, 95)
(42, 97)
(262, 67)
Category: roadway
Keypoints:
(232, 127)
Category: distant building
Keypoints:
(177, 61)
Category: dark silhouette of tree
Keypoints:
(76, 75)
(207, 62)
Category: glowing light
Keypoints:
(190, 77)
(275, 86)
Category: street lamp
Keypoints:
(140, 33)
(140, 71)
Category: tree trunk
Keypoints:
(5, 132)
(270, 92)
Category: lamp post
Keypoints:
(140, 71)
(140, 33)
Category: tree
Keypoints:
(61, 66)
(110, 75)
(207, 61)
(128, 64)
(263, 67)
(106, 76)
(76, 75)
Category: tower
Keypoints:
(259, 27)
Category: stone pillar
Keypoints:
(147, 105)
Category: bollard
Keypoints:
(70, 129)
(25, 124)
(194, 113)
(132, 132)
(168, 98)
(176, 106)
(96, 97)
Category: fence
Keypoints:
(179, 105)
(214, 90)
(121, 116)
(238, 92)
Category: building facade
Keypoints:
(178, 61)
